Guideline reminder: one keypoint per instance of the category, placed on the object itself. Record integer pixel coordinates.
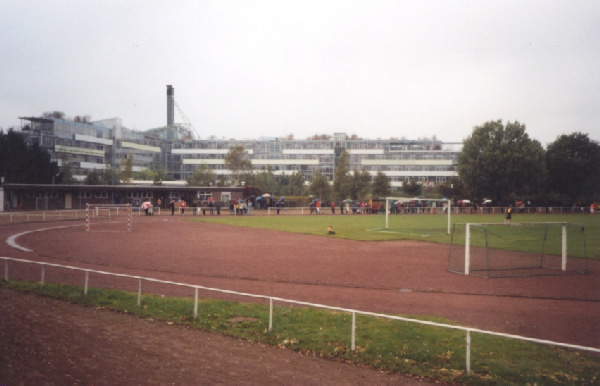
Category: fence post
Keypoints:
(270, 314)
(196, 303)
(468, 360)
(85, 285)
(353, 340)
(564, 247)
(468, 249)
(139, 299)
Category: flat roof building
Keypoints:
(95, 145)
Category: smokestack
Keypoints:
(170, 105)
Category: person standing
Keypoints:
(182, 207)
(592, 209)
(508, 216)
(332, 207)
(172, 206)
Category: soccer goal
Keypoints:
(438, 223)
(108, 218)
(517, 249)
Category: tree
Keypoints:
(360, 184)
(24, 164)
(499, 162)
(109, 176)
(295, 185)
(381, 186)
(126, 169)
(202, 176)
(265, 181)
(341, 178)
(573, 164)
(412, 188)
(66, 174)
(319, 187)
(160, 174)
(92, 177)
(238, 162)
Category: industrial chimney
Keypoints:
(170, 105)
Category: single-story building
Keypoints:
(54, 197)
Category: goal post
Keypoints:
(405, 205)
(517, 249)
(108, 218)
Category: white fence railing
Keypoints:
(79, 214)
(468, 330)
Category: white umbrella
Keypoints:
(266, 195)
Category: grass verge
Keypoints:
(407, 348)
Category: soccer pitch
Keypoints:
(424, 227)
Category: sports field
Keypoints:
(360, 267)
(430, 228)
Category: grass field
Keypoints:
(431, 228)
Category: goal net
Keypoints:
(435, 220)
(518, 249)
(108, 218)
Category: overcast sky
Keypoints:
(251, 69)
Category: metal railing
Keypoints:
(14, 217)
(468, 330)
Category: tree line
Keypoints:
(498, 162)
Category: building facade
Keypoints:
(85, 146)
(94, 146)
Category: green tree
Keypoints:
(202, 176)
(66, 174)
(381, 185)
(295, 185)
(144, 175)
(126, 169)
(360, 184)
(265, 181)
(20, 163)
(501, 162)
(238, 162)
(92, 177)
(412, 188)
(109, 176)
(341, 178)
(320, 187)
(573, 164)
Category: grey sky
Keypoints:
(247, 69)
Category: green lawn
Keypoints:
(424, 227)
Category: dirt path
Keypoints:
(50, 342)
